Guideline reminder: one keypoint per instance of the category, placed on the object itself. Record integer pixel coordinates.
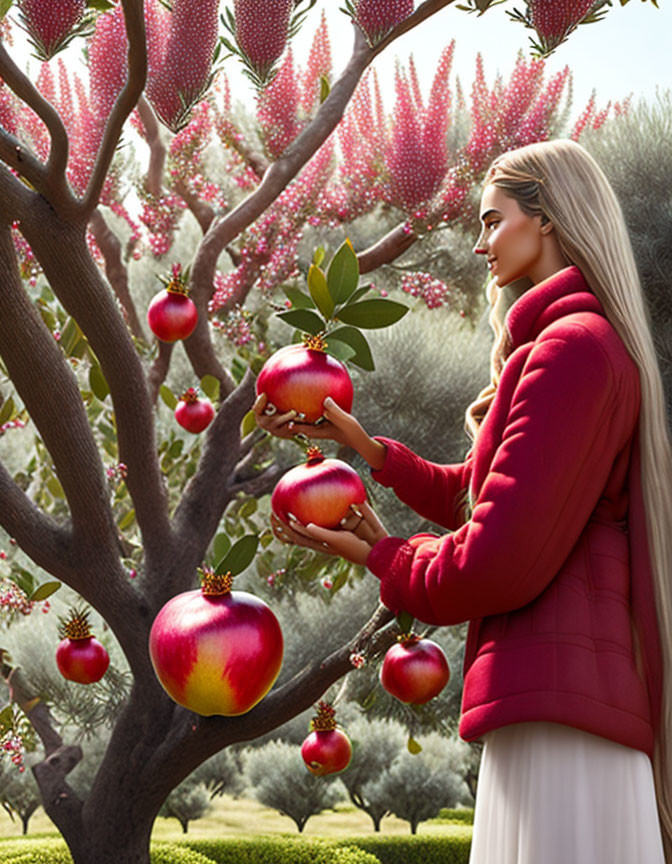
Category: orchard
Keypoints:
(141, 300)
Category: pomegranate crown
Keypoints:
(314, 343)
(314, 454)
(177, 283)
(215, 584)
(408, 638)
(76, 625)
(325, 719)
(190, 395)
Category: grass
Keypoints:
(231, 817)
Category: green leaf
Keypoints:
(317, 284)
(103, 5)
(413, 746)
(168, 397)
(358, 294)
(354, 338)
(325, 88)
(6, 717)
(6, 411)
(220, 546)
(248, 508)
(5, 6)
(249, 423)
(405, 621)
(239, 556)
(70, 336)
(54, 486)
(304, 320)
(23, 578)
(98, 383)
(318, 256)
(45, 590)
(298, 298)
(343, 273)
(373, 314)
(210, 386)
(340, 350)
(127, 520)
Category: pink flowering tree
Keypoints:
(109, 502)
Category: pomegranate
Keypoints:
(79, 656)
(414, 670)
(327, 750)
(171, 314)
(216, 651)
(300, 377)
(319, 491)
(194, 414)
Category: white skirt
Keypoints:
(551, 794)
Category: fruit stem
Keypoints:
(314, 343)
(325, 719)
(214, 584)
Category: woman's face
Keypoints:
(516, 245)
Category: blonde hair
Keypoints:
(561, 181)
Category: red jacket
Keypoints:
(552, 568)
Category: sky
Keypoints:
(630, 51)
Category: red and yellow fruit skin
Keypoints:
(326, 752)
(414, 670)
(319, 492)
(172, 316)
(300, 379)
(195, 416)
(84, 661)
(216, 654)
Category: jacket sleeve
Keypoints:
(545, 479)
(427, 487)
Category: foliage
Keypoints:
(19, 794)
(463, 816)
(416, 787)
(279, 779)
(419, 849)
(187, 802)
(282, 850)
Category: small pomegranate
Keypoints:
(319, 491)
(214, 650)
(194, 414)
(300, 377)
(172, 315)
(327, 750)
(414, 670)
(79, 656)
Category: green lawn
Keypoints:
(231, 818)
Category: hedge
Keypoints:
(464, 816)
(279, 850)
(417, 849)
(30, 851)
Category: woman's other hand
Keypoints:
(338, 425)
(361, 530)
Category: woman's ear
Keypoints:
(546, 224)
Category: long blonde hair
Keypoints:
(561, 181)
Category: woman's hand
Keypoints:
(361, 530)
(337, 426)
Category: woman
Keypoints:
(560, 551)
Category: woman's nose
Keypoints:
(481, 247)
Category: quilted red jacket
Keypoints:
(552, 569)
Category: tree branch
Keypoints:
(157, 149)
(78, 283)
(159, 370)
(202, 212)
(386, 250)
(208, 491)
(51, 181)
(45, 542)
(259, 484)
(50, 393)
(117, 275)
(15, 197)
(58, 797)
(126, 101)
(14, 154)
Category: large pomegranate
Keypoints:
(414, 670)
(216, 651)
(79, 656)
(319, 491)
(300, 377)
(192, 413)
(327, 750)
(172, 315)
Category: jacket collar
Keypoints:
(561, 294)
